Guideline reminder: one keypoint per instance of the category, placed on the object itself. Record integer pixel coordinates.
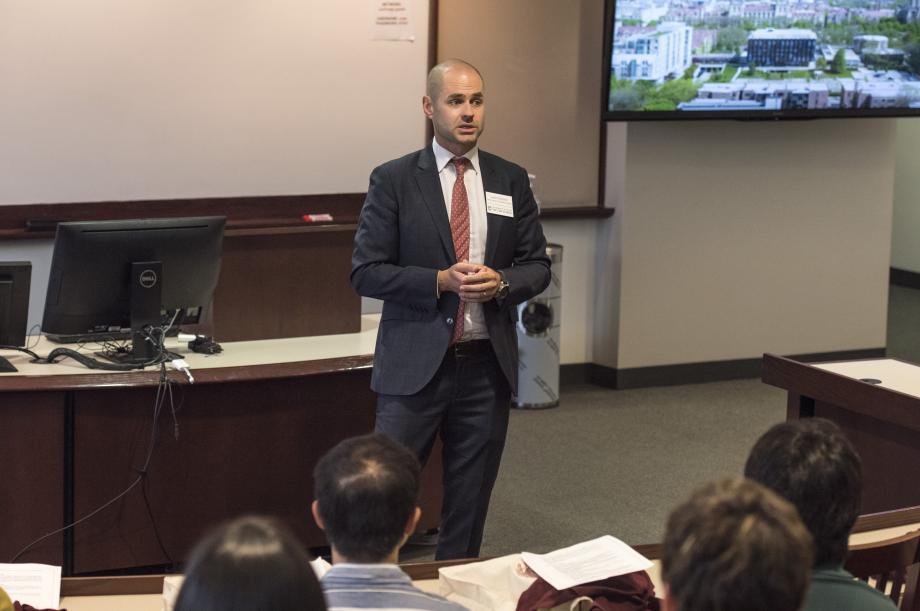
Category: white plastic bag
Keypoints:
(491, 585)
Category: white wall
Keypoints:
(734, 239)
(109, 100)
(905, 244)
(113, 100)
(578, 239)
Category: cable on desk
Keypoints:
(20, 349)
(112, 346)
(26, 349)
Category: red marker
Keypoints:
(317, 218)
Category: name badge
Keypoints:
(499, 204)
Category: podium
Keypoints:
(877, 404)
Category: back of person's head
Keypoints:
(250, 564)
(735, 545)
(814, 466)
(366, 491)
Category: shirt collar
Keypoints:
(368, 570)
(442, 156)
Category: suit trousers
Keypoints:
(467, 402)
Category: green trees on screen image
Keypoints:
(899, 34)
(883, 62)
(839, 63)
(646, 95)
(725, 76)
(731, 39)
(913, 57)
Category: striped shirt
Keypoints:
(378, 586)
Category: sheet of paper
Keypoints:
(392, 20)
(320, 567)
(38, 585)
(592, 560)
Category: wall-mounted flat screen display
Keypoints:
(695, 59)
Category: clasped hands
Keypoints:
(474, 282)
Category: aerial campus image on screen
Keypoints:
(765, 55)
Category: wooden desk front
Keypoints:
(877, 404)
(248, 439)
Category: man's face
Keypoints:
(458, 111)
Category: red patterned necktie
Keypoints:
(460, 232)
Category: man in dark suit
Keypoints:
(449, 239)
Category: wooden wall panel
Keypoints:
(276, 283)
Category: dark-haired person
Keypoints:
(250, 564)
(366, 491)
(814, 466)
(735, 546)
(449, 238)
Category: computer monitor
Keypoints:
(15, 280)
(108, 277)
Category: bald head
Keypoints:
(455, 103)
(437, 74)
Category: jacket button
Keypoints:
(449, 320)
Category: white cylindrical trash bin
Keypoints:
(538, 342)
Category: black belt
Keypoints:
(470, 348)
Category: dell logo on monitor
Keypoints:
(148, 278)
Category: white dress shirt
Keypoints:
(474, 326)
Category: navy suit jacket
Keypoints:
(403, 239)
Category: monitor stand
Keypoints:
(146, 300)
(6, 366)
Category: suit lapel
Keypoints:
(429, 184)
(492, 182)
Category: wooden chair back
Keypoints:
(891, 566)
